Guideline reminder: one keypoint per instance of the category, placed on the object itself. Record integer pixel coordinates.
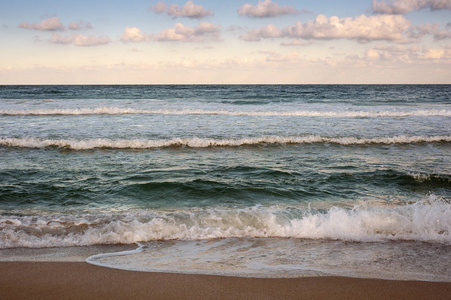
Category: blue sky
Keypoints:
(365, 41)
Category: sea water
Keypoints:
(242, 180)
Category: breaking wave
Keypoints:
(428, 221)
(300, 113)
(32, 142)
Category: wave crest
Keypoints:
(428, 221)
(297, 113)
(32, 142)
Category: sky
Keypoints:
(225, 42)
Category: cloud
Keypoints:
(362, 28)
(442, 34)
(159, 7)
(79, 25)
(270, 31)
(371, 54)
(80, 40)
(389, 55)
(233, 28)
(434, 53)
(292, 57)
(51, 24)
(134, 34)
(182, 33)
(398, 7)
(189, 10)
(265, 9)
(54, 24)
(432, 29)
(296, 43)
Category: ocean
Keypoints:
(239, 180)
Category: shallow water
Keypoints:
(285, 258)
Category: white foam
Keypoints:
(32, 142)
(295, 113)
(426, 177)
(428, 221)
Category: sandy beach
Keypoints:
(66, 280)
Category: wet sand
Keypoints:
(79, 280)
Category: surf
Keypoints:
(428, 220)
(292, 113)
(194, 142)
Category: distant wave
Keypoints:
(297, 113)
(428, 221)
(32, 142)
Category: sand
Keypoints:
(79, 280)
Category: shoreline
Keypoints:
(81, 280)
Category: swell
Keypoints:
(428, 220)
(259, 186)
(87, 144)
(298, 113)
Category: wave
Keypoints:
(87, 144)
(431, 179)
(428, 221)
(298, 113)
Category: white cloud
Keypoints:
(265, 9)
(182, 33)
(80, 40)
(361, 28)
(79, 25)
(390, 55)
(189, 10)
(134, 34)
(405, 6)
(371, 54)
(51, 24)
(434, 53)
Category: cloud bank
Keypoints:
(265, 9)
(398, 7)
(189, 10)
(362, 28)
